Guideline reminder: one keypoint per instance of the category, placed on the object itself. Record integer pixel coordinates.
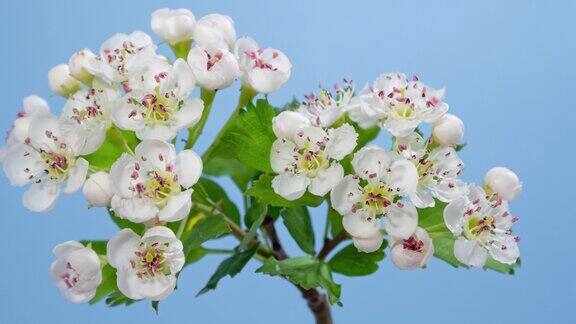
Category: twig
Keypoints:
(329, 245)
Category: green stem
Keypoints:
(181, 49)
(246, 94)
(433, 228)
(195, 131)
(218, 251)
(122, 140)
(182, 227)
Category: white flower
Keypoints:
(482, 228)
(173, 26)
(158, 104)
(307, 157)
(215, 28)
(81, 63)
(438, 170)
(503, 182)
(370, 244)
(97, 189)
(381, 178)
(398, 105)
(213, 66)
(413, 252)
(61, 82)
(263, 69)
(87, 115)
(121, 55)
(76, 272)
(448, 130)
(324, 109)
(154, 183)
(48, 160)
(32, 106)
(146, 266)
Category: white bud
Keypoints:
(97, 189)
(504, 182)
(215, 28)
(448, 130)
(61, 82)
(173, 26)
(81, 63)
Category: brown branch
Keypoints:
(317, 302)
(329, 245)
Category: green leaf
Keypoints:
(240, 173)
(351, 262)
(229, 267)
(210, 227)
(155, 304)
(460, 147)
(256, 212)
(116, 298)
(365, 135)
(208, 192)
(107, 286)
(335, 221)
(97, 246)
(307, 272)
(262, 189)
(510, 269)
(194, 255)
(432, 219)
(297, 221)
(124, 223)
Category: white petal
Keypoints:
(188, 167)
(422, 198)
(137, 210)
(41, 197)
(43, 132)
(65, 248)
(290, 186)
(505, 249)
(454, 214)
(159, 232)
(403, 177)
(35, 105)
(126, 116)
(282, 156)
(371, 162)
(504, 182)
(470, 253)
(76, 176)
(401, 220)
(342, 141)
(128, 283)
(368, 245)
(21, 163)
(155, 154)
(121, 176)
(360, 225)
(345, 194)
(190, 113)
(98, 190)
(120, 248)
(177, 207)
(158, 288)
(326, 179)
(157, 132)
(186, 82)
(288, 123)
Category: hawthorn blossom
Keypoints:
(87, 115)
(31, 106)
(307, 157)
(213, 66)
(215, 28)
(380, 180)
(155, 183)
(413, 252)
(369, 244)
(146, 266)
(482, 228)
(264, 70)
(48, 160)
(397, 104)
(76, 272)
(81, 63)
(324, 109)
(97, 190)
(121, 55)
(173, 26)
(448, 130)
(438, 170)
(158, 104)
(503, 183)
(61, 82)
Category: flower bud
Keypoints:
(503, 182)
(97, 189)
(412, 253)
(61, 82)
(215, 28)
(80, 64)
(448, 130)
(173, 26)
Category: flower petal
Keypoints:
(454, 214)
(369, 245)
(177, 207)
(129, 284)
(290, 186)
(190, 113)
(137, 210)
(326, 179)
(371, 162)
(288, 123)
(282, 156)
(361, 225)
(401, 220)
(155, 154)
(76, 176)
(188, 167)
(345, 194)
(342, 141)
(120, 248)
(41, 197)
(403, 178)
(470, 253)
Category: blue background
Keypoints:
(508, 67)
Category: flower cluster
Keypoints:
(117, 139)
(390, 186)
(129, 96)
